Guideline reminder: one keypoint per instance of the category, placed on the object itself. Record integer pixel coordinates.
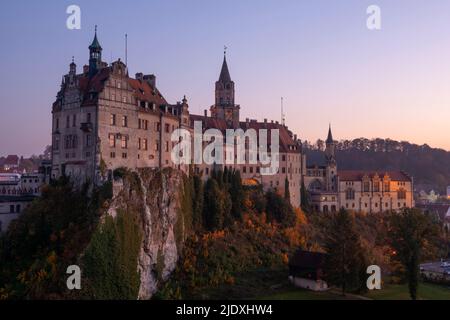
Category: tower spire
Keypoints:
(224, 72)
(330, 135)
(95, 55)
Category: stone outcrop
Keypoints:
(155, 195)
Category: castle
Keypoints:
(104, 119)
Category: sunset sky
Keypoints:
(317, 54)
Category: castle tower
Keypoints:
(331, 165)
(224, 107)
(95, 55)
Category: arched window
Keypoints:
(350, 194)
(325, 209)
(366, 186)
(376, 186)
(401, 194)
(316, 185)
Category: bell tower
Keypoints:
(95, 55)
(224, 107)
(331, 164)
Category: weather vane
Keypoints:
(225, 50)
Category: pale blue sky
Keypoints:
(318, 54)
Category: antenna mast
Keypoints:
(126, 49)
(283, 120)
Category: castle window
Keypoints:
(124, 121)
(88, 118)
(167, 146)
(144, 144)
(366, 186)
(251, 169)
(124, 99)
(387, 187)
(74, 120)
(139, 143)
(124, 142)
(401, 194)
(119, 85)
(112, 121)
(157, 145)
(113, 155)
(57, 123)
(244, 169)
(67, 121)
(112, 140)
(124, 155)
(167, 128)
(56, 143)
(157, 127)
(376, 186)
(88, 140)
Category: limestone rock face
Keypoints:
(155, 195)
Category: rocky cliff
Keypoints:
(156, 196)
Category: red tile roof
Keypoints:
(285, 137)
(145, 92)
(354, 175)
(11, 160)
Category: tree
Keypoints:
(237, 195)
(197, 203)
(279, 209)
(410, 230)
(216, 207)
(346, 261)
(306, 206)
(287, 194)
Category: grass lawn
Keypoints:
(266, 284)
(300, 294)
(426, 291)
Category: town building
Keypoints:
(17, 191)
(365, 191)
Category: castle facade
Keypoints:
(103, 119)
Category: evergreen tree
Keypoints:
(214, 206)
(279, 209)
(287, 194)
(346, 260)
(197, 203)
(306, 206)
(237, 195)
(409, 231)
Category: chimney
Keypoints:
(206, 113)
(139, 76)
(265, 120)
(151, 80)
